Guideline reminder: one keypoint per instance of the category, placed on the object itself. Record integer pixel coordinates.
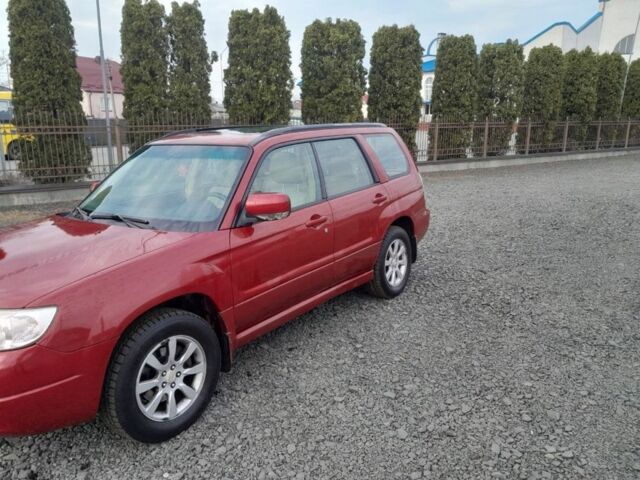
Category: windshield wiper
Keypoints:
(82, 212)
(128, 221)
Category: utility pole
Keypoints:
(105, 93)
(222, 76)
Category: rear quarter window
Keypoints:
(389, 153)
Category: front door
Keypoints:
(277, 264)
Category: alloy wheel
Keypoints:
(171, 378)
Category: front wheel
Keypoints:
(392, 269)
(162, 376)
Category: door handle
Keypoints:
(379, 198)
(316, 220)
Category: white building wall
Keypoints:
(620, 19)
(93, 105)
(554, 36)
(590, 36)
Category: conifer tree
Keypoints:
(47, 89)
(258, 80)
(189, 92)
(500, 90)
(631, 103)
(611, 71)
(543, 78)
(580, 91)
(395, 80)
(145, 49)
(455, 90)
(333, 75)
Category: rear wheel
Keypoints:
(162, 376)
(392, 269)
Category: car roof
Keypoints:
(252, 135)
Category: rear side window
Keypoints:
(389, 153)
(343, 165)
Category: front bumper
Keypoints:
(43, 389)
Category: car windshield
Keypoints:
(172, 187)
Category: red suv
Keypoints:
(199, 243)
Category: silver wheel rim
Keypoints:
(171, 378)
(395, 263)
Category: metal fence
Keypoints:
(62, 150)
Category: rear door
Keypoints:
(277, 264)
(357, 200)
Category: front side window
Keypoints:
(291, 170)
(173, 187)
(389, 153)
(343, 165)
(6, 112)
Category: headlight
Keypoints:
(22, 327)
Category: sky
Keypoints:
(487, 20)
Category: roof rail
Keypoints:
(273, 131)
(257, 128)
(321, 126)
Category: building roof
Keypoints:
(89, 70)
(565, 24)
(429, 66)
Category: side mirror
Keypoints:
(93, 185)
(268, 206)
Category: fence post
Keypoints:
(435, 141)
(119, 152)
(485, 146)
(598, 134)
(528, 138)
(566, 135)
(626, 140)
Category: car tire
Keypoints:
(162, 375)
(393, 266)
(13, 151)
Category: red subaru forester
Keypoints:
(200, 242)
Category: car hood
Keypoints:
(39, 257)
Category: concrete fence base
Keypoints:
(20, 196)
(475, 163)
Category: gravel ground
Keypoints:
(13, 215)
(513, 354)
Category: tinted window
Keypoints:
(343, 166)
(291, 170)
(175, 187)
(389, 153)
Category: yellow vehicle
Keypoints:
(8, 135)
